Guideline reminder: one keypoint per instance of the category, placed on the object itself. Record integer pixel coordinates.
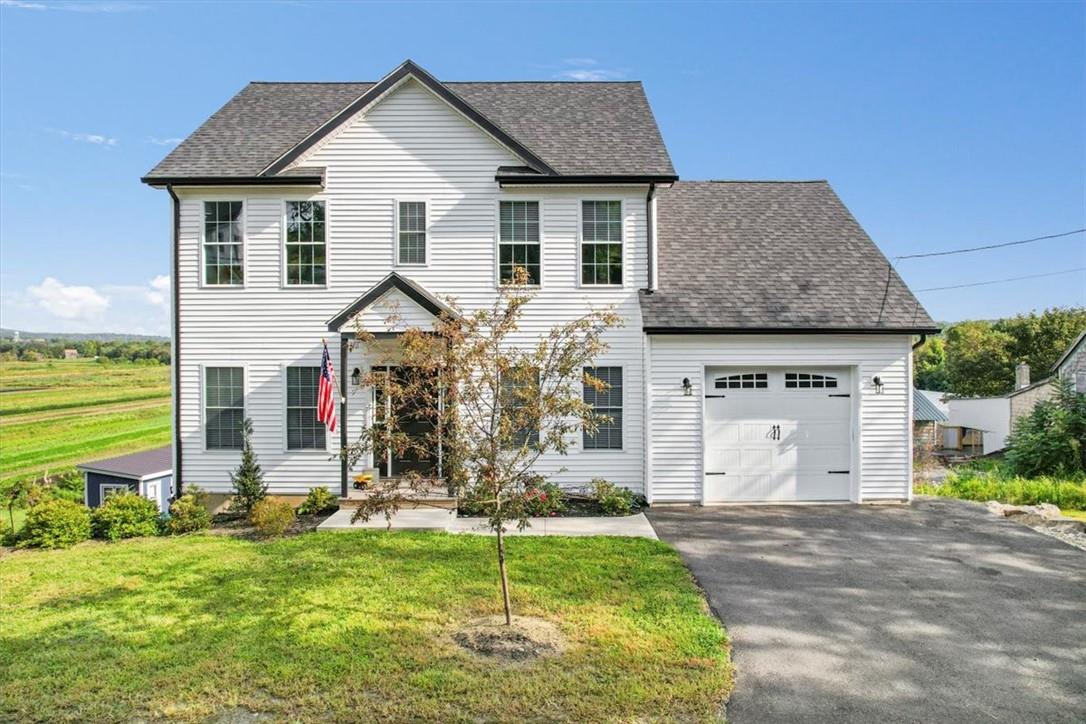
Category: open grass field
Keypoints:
(352, 626)
(56, 413)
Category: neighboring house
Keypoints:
(71, 354)
(1071, 366)
(977, 425)
(147, 473)
(766, 346)
(929, 411)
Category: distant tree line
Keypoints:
(977, 358)
(150, 351)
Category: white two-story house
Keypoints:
(766, 348)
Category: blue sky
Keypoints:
(941, 126)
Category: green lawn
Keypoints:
(354, 625)
(57, 413)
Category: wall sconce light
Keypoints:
(688, 388)
(877, 381)
(356, 377)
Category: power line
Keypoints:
(990, 246)
(1000, 281)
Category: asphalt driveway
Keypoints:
(935, 611)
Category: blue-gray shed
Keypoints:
(148, 473)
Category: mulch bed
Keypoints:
(238, 526)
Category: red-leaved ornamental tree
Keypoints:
(481, 400)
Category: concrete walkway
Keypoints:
(634, 526)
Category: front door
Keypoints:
(411, 420)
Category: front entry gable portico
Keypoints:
(392, 305)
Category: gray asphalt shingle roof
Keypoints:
(592, 128)
(771, 255)
(136, 465)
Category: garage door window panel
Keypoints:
(743, 381)
(808, 381)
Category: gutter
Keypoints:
(785, 330)
(923, 339)
(170, 181)
(582, 179)
(175, 341)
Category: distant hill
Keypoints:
(78, 337)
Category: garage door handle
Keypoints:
(837, 472)
(716, 473)
(840, 395)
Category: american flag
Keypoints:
(326, 397)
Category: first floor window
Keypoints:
(518, 240)
(601, 242)
(606, 403)
(304, 431)
(517, 391)
(224, 407)
(305, 243)
(411, 222)
(222, 243)
(108, 490)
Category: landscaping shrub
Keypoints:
(472, 503)
(125, 516)
(188, 513)
(55, 524)
(272, 516)
(612, 499)
(1051, 440)
(971, 485)
(544, 500)
(318, 501)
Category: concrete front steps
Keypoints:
(435, 497)
(440, 519)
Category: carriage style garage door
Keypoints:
(777, 434)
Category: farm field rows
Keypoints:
(57, 413)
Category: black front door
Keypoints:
(413, 421)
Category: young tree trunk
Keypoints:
(505, 578)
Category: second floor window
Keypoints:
(222, 243)
(224, 407)
(411, 241)
(601, 242)
(518, 240)
(305, 243)
(304, 431)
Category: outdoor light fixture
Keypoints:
(688, 389)
(356, 377)
(877, 381)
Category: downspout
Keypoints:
(923, 339)
(651, 237)
(175, 341)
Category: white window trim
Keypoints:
(328, 435)
(625, 399)
(581, 242)
(203, 405)
(243, 221)
(396, 232)
(146, 491)
(498, 241)
(103, 487)
(283, 243)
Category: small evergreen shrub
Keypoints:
(125, 516)
(55, 524)
(272, 516)
(188, 513)
(612, 499)
(248, 479)
(318, 501)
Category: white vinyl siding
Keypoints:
(882, 454)
(409, 146)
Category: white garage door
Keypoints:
(777, 434)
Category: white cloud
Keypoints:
(591, 74)
(96, 139)
(581, 61)
(69, 302)
(158, 292)
(75, 7)
(163, 141)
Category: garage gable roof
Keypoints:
(780, 256)
(135, 466)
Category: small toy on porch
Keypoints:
(362, 481)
